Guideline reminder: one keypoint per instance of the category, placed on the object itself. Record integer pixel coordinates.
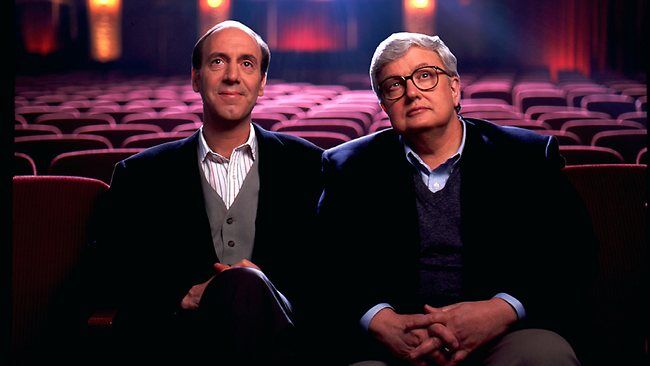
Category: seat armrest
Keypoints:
(102, 319)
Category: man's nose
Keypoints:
(412, 91)
(232, 73)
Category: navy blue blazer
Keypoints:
(157, 234)
(524, 228)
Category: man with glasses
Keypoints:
(461, 240)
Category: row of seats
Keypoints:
(511, 88)
(98, 163)
(129, 115)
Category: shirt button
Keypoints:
(229, 220)
(436, 184)
(231, 243)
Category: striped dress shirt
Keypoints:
(224, 175)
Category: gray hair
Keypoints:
(197, 53)
(396, 46)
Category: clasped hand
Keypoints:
(445, 336)
(193, 297)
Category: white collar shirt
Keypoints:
(226, 176)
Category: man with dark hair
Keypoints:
(463, 241)
(205, 234)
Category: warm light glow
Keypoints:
(419, 16)
(419, 4)
(215, 3)
(105, 29)
(212, 12)
(108, 3)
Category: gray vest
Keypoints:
(233, 229)
(440, 241)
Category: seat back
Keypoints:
(44, 148)
(97, 164)
(24, 164)
(627, 142)
(616, 198)
(581, 155)
(323, 139)
(50, 218)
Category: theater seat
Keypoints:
(24, 164)
(97, 164)
(616, 198)
(50, 222)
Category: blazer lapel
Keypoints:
(271, 171)
(192, 203)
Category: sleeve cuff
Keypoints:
(367, 317)
(516, 305)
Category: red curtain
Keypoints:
(574, 34)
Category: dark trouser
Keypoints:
(526, 347)
(244, 320)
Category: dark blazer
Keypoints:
(523, 227)
(157, 234)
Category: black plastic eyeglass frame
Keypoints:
(404, 79)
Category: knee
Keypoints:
(534, 347)
(243, 277)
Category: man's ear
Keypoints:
(454, 84)
(262, 85)
(196, 78)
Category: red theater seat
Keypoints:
(616, 198)
(627, 142)
(20, 120)
(555, 120)
(548, 97)
(325, 140)
(522, 123)
(50, 222)
(640, 117)
(288, 111)
(97, 164)
(23, 165)
(485, 107)
(67, 123)
(187, 127)
(167, 122)
(642, 156)
(31, 112)
(612, 104)
(489, 101)
(361, 118)
(44, 148)
(641, 104)
(574, 96)
(501, 90)
(587, 128)
(379, 125)
(493, 115)
(563, 137)
(266, 120)
(35, 130)
(153, 139)
(535, 111)
(116, 134)
(346, 127)
(581, 154)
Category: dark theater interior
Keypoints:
(94, 82)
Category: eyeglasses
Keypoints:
(424, 78)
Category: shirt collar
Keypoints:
(249, 146)
(448, 165)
